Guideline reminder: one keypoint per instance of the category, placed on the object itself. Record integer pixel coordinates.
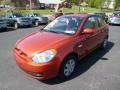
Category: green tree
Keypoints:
(99, 3)
(91, 3)
(117, 4)
(6, 2)
(74, 1)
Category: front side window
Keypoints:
(17, 15)
(101, 21)
(91, 23)
(67, 25)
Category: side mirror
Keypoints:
(88, 31)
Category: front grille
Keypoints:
(24, 21)
(21, 54)
(45, 18)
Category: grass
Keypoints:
(74, 9)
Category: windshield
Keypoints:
(24, 18)
(17, 15)
(116, 14)
(36, 14)
(68, 25)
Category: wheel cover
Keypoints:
(69, 67)
(16, 25)
(36, 23)
(105, 42)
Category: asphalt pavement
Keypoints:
(98, 71)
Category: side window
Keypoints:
(91, 23)
(101, 21)
(9, 15)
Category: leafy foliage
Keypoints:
(6, 2)
(117, 4)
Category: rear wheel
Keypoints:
(104, 44)
(68, 67)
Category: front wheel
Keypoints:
(68, 67)
(36, 23)
(15, 25)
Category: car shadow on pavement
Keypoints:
(8, 29)
(114, 25)
(84, 65)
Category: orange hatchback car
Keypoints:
(56, 49)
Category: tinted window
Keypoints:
(25, 19)
(35, 14)
(17, 15)
(1, 20)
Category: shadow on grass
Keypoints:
(84, 65)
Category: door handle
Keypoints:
(80, 45)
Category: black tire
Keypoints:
(15, 25)
(29, 26)
(104, 44)
(5, 29)
(64, 74)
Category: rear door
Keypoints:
(103, 29)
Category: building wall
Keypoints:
(23, 3)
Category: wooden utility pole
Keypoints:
(79, 5)
(30, 5)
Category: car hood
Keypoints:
(115, 17)
(40, 41)
(42, 17)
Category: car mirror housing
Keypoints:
(88, 31)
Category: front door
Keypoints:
(91, 39)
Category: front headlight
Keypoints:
(45, 56)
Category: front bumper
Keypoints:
(116, 23)
(38, 71)
(2, 26)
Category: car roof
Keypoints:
(99, 13)
(79, 15)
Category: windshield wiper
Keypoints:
(51, 31)
(54, 32)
